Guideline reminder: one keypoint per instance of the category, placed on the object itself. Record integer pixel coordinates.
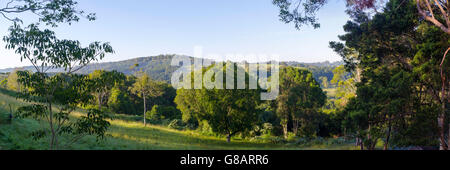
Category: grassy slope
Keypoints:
(130, 135)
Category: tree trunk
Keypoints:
(53, 138)
(441, 125)
(229, 138)
(285, 131)
(295, 126)
(386, 143)
(359, 141)
(369, 137)
(145, 109)
(361, 144)
(441, 119)
(99, 102)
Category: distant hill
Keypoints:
(159, 67)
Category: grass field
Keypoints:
(132, 135)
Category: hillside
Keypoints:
(128, 133)
(159, 68)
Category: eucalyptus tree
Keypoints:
(145, 88)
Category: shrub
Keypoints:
(159, 113)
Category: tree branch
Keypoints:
(431, 19)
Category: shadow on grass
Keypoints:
(129, 135)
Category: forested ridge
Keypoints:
(159, 68)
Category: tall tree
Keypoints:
(104, 81)
(399, 58)
(145, 88)
(54, 98)
(300, 98)
(437, 12)
(227, 111)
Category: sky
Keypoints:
(139, 28)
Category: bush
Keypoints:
(159, 113)
(267, 129)
(154, 115)
(121, 102)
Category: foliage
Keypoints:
(144, 87)
(301, 12)
(226, 111)
(163, 112)
(345, 86)
(12, 83)
(299, 100)
(119, 101)
(398, 59)
(49, 12)
(103, 82)
(55, 97)
(127, 133)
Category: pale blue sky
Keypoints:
(137, 28)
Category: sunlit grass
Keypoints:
(131, 135)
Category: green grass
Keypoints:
(132, 135)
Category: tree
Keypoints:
(227, 111)
(119, 101)
(164, 112)
(399, 59)
(104, 81)
(345, 85)
(428, 10)
(145, 88)
(300, 98)
(12, 82)
(54, 98)
(324, 82)
(436, 12)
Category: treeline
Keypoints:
(159, 67)
(295, 115)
